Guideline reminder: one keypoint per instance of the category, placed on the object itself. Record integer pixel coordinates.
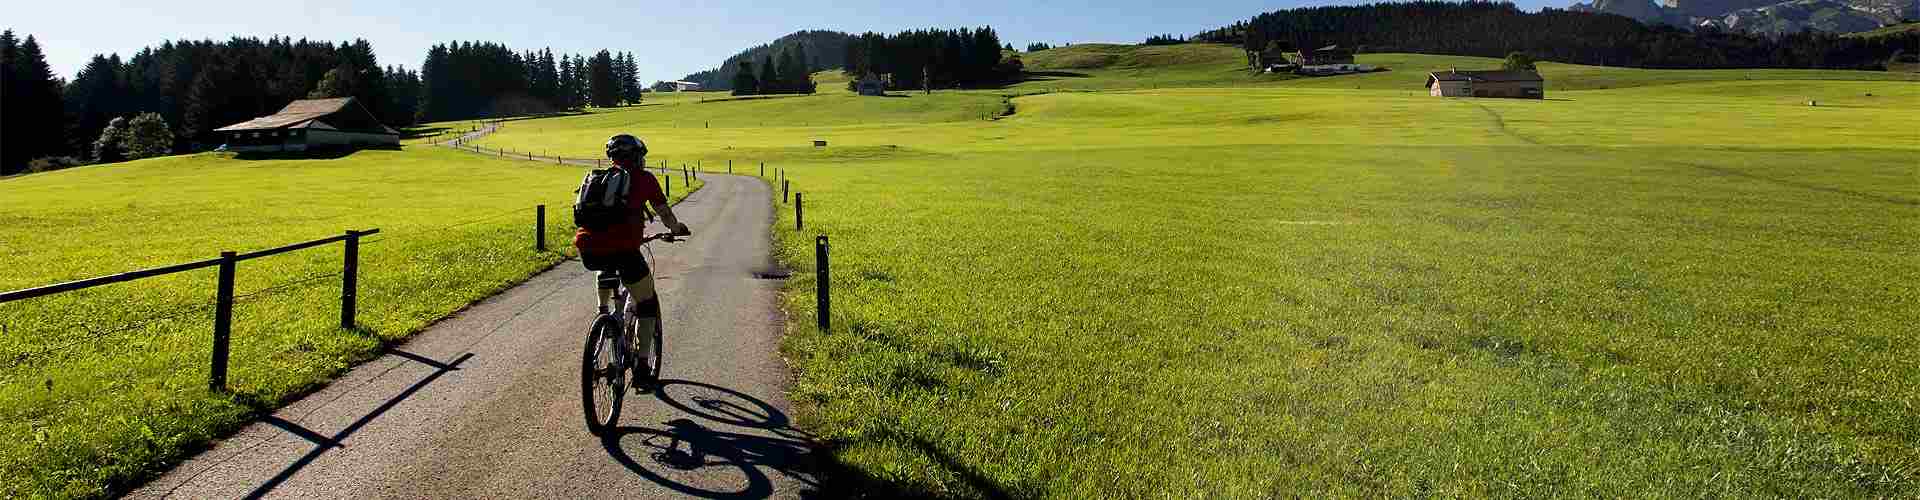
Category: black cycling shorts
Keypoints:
(628, 266)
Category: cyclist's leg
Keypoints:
(642, 302)
(606, 278)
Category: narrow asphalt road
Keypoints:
(487, 403)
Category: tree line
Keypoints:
(824, 50)
(1490, 29)
(191, 87)
(463, 80)
(931, 58)
(789, 73)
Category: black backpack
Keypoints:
(603, 199)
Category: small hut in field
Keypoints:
(1522, 84)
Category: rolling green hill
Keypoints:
(1105, 66)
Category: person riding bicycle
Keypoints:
(614, 250)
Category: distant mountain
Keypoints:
(1792, 17)
(1644, 11)
(825, 49)
(1763, 16)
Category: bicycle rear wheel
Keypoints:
(602, 375)
(659, 349)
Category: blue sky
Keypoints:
(670, 39)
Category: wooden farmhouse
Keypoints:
(1523, 84)
(1326, 56)
(311, 124)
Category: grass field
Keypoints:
(1695, 286)
(87, 408)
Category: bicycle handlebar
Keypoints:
(667, 237)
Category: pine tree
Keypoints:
(604, 86)
(629, 79)
(744, 82)
(769, 76)
(33, 120)
(98, 93)
(12, 144)
(795, 75)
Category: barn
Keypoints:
(1326, 56)
(1524, 84)
(310, 124)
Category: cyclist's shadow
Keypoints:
(693, 458)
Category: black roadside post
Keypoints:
(821, 286)
(729, 167)
(783, 191)
(686, 180)
(222, 323)
(540, 228)
(667, 185)
(799, 214)
(763, 169)
(349, 279)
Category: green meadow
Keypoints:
(1655, 283)
(102, 388)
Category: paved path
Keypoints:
(487, 403)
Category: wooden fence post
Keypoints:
(822, 284)
(349, 279)
(222, 323)
(540, 228)
(783, 191)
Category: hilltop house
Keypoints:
(685, 86)
(310, 124)
(1525, 84)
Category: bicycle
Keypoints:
(605, 362)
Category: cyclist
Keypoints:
(614, 251)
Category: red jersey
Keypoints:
(643, 190)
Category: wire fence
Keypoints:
(89, 333)
(94, 334)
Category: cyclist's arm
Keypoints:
(657, 198)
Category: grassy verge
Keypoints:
(89, 407)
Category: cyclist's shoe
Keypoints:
(643, 379)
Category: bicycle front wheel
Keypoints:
(602, 375)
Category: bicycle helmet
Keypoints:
(626, 146)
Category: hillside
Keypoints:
(1107, 66)
(825, 49)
